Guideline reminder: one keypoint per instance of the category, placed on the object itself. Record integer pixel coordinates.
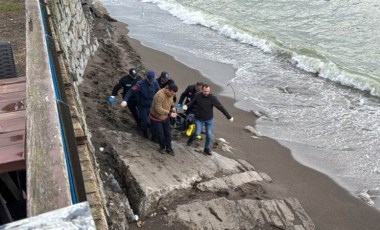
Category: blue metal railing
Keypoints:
(50, 47)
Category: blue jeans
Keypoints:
(209, 124)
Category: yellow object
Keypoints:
(190, 130)
(198, 137)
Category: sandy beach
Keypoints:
(328, 205)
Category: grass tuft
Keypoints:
(8, 6)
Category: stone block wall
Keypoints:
(72, 22)
(73, 27)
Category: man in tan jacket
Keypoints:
(160, 112)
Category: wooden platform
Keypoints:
(12, 124)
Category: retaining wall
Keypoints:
(73, 27)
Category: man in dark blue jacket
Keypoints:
(126, 82)
(145, 91)
(205, 103)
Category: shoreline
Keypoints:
(329, 205)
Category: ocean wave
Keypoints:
(330, 70)
(308, 60)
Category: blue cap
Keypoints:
(150, 75)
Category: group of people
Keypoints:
(152, 101)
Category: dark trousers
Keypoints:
(144, 116)
(161, 130)
(132, 106)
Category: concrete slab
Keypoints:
(222, 213)
(76, 216)
(232, 181)
(161, 177)
(158, 181)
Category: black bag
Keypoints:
(182, 121)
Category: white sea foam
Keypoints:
(189, 16)
(325, 68)
(331, 71)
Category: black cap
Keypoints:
(164, 75)
(133, 72)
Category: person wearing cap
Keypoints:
(188, 95)
(126, 82)
(205, 103)
(164, 80)
(161, 111)
(145, 91)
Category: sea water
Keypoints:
(310, 66)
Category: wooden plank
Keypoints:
(12, 80)
(12, 96)
(47, 178)
(12, 106)
(5, 215)
(12, 115)
(19, 87)
(12, 125)
(12, 158)
(11, 138)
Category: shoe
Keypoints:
(207, 151)
(145, 134)
(162, 150)
(170, 151)
(190, 141)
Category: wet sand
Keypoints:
(328, 205)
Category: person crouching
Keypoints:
(160, 112)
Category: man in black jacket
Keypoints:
(205, 103)
(164, 80)
(188, 95)
(126, 82)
